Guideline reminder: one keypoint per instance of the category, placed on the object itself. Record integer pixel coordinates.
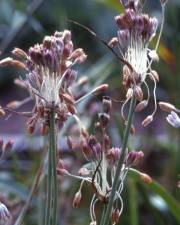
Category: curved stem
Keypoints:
(105, 220)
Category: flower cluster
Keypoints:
(49, 75)
(135, 32)
(100, 170)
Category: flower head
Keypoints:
(49, 76)
(135, 32)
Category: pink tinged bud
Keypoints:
(153, 24)
(107, 104)
(6, 62)
(100, 89)
(113, 156)
(14, 104)
(139, 23)
(167, 107)
(146, 178)
(2, 112)
(134, 157)
(113, 42)
(155, 75)
(78, 56)
(141, 105)
(124, 38)
(173, 119)
(68, 98)
(5, 215)
(147, 121)
(77, 199)
(115, 216)
(10, 62)
(8, 146)
(129, 93)
(61, 168)
(66, 35)
(138, 93)
(20, 53)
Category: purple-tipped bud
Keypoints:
(61, 168)
(104, 119)
(107, 104)
(130, 16)
(134, 157)
(139, 23)
(77, 199)
(113, 156)
(124, 38)
(153, 24)
(92, 141)
(8, 146)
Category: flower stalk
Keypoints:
(52, 186)
(106, 218)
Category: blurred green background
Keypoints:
(24, 23)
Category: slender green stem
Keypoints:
(52, 186)
(105, 220)
(49, 189)
(54, 173)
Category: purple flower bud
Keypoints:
(113, 156)
(134, 157)
(153, 24)
(97, 151)
(92, 141)
(173, 119)
(130, 16)
(124, 38)
(139, 23)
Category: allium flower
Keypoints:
(50, 76)
(173, 119)
(135, 32)
(4, 214)
(102, 162)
